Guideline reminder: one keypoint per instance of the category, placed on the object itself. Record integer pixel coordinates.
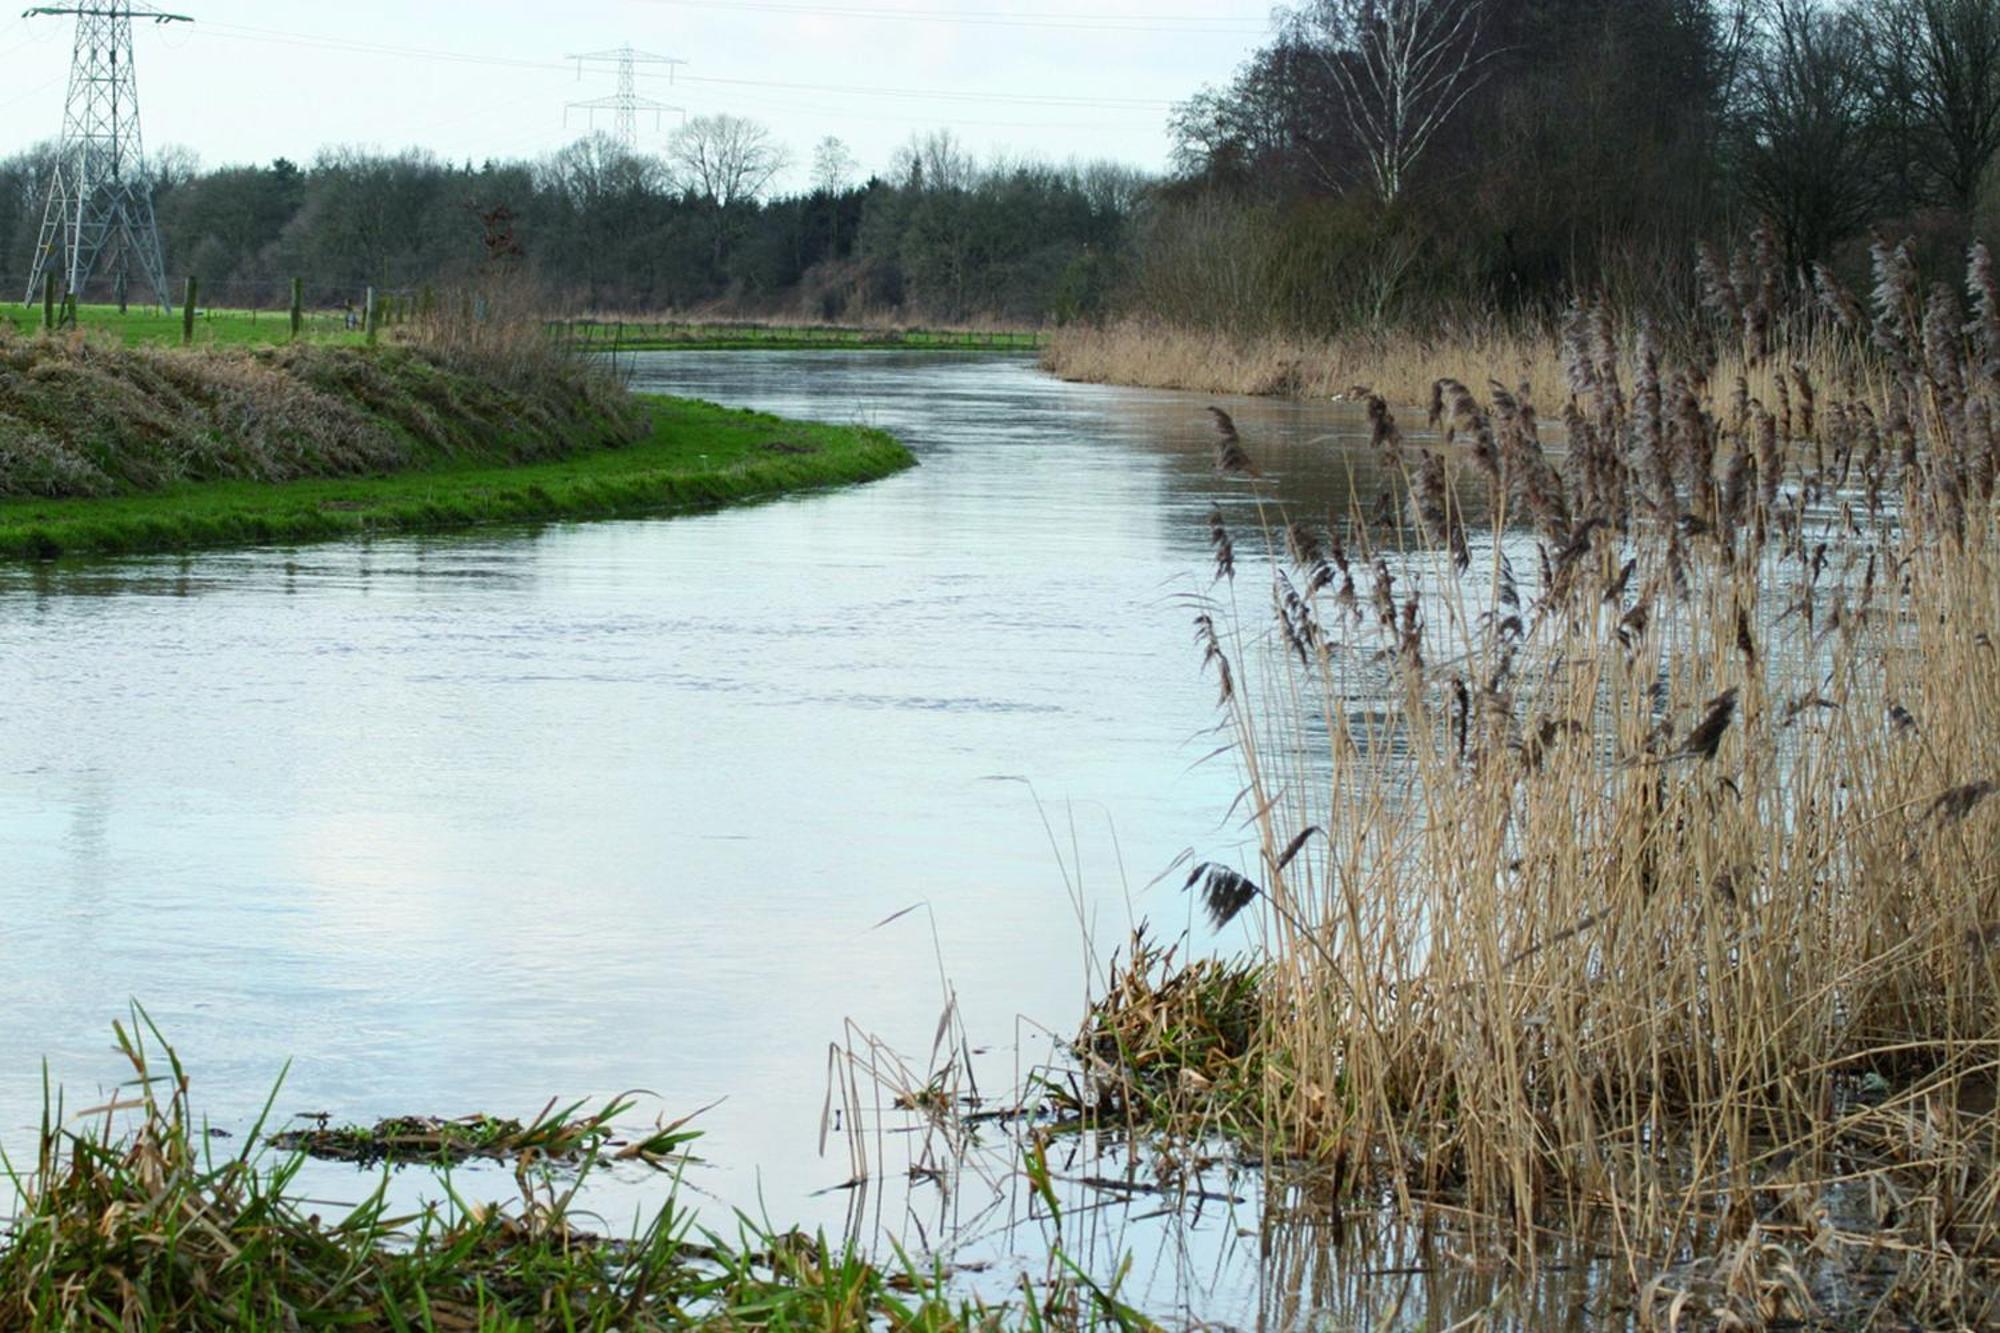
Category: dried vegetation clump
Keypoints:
(84, 417)
(1627, 838)
(1169, 1042)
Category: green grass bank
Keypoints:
(694, 455)
(218, 327)
(108, 447)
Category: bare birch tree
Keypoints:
(724, 159)
(1402, 69)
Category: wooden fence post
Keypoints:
(298, 307)
(369, 316)
(49, 300)
(187, 312)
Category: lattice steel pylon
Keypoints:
(625, 104)
(100, 202)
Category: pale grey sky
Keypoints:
(256, 79)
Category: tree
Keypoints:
(1806, 152)
(933, 162)
(1401, 69)
(597, 198)
(724, 159)
(1938, 64)
(832, 166)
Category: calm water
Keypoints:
(462, 823)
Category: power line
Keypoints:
(942, 95)
(1178, 25)
(625, 104)
(240, 32)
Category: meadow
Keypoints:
(149, 325)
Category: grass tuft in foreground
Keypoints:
(151, 1228)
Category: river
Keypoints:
(459, 823)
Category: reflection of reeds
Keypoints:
(1651, 894)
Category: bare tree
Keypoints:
(1805, 150)
(935, 162)
(724, 159)
(1938, 67)
(832, 165)
(1401, 69)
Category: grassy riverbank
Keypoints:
(694, 455)
(107, 447)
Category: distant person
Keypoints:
(347, 313)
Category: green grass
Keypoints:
(148, 325)
(134, 1216)
(144, 324)
(695, 456)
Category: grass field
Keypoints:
(145, 324)
(695, 456)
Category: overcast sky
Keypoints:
(252, 80)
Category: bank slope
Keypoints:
(693, 455)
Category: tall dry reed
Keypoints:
(1627, 853)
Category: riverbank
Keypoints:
(693, 456)
(109, 449)
(1400, 367)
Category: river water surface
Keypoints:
(465, 822)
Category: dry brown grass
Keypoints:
(1628, 865)
(84, 417)
(1401, 366)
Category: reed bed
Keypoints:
(1745, 299)
(1625, 841)
(1400, 366)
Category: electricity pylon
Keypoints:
(625, 104)
(100, 197)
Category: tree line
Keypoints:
(1385, 161)
(937, 236)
